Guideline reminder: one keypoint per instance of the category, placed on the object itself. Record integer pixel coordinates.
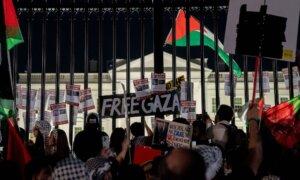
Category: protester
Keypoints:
(182, 164)
(58, 144)
(139, 138)
(116, 139)
(68, 167)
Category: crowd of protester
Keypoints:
(219, 151)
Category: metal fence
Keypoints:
(65, 15)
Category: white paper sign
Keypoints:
(141, 87)
(179, 135)
(59, 113)
(184, 89)
(287, 8)
(86, 100)
(75, 114)
(188, 110)
(158, 82)
(73, 93)
(266, 82)
(24, 98)
(32, 119)
(51, 94)
(227, 84)
(296, 77)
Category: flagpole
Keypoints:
(127, 120)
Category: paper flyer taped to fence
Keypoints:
(296, 77)
(179, 135)
(86, 100)
(141, 87)
(59, 113)
(73, 94)
(188, 110)
(158, 82)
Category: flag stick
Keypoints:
(127, 120)
(257, 65)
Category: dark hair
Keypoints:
(116, 139)
(92, 122)
(87, 144)
(181, 120)
(137, 129)
(225, 112)
(62, 145)
(193, 168)
(199, 130)
(132, 172)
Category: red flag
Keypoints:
(283, 121)
(143, 154)
(16, 149)
(13, 32)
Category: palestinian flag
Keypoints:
(283, 121)
(13, 32)
(195, 38)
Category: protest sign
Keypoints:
(59, 113)
(296, 77)
(160, 132)
(141, 87)
(188, 110)
(179, 135)
(18, 96)
(24, 98)
(86, 100)
(113, 106)
(169, 84)
(75, 114)
(32, 119)
(51, 94)
(73, 93)
(184, 90)
(266, 82)
(227, 84)
(158, 82)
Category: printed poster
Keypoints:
(184, 90)
(188, 110)
(86, 100)
(266, 82)
(158, 82)
(169, 84)
(24, 98)
(160, 132)
(32, 119)
(51, 97)
(179, 135)
(141, 87)
(296, 77)
(59, 113)
(73, 94)
(227, 84)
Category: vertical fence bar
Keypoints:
(72, 63)
(202, 55)
(158, 36)
(291, 83)
(114, 74)
(275, 76)
(100, 61)
(57, 57)
(261, 82)
(86, 52)
(232, 86)
(44, 56)
(188, 51)
(128, 48)
(142, 24)
(246, 86)
(174, 71)
(215, 16)
(29, 69)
